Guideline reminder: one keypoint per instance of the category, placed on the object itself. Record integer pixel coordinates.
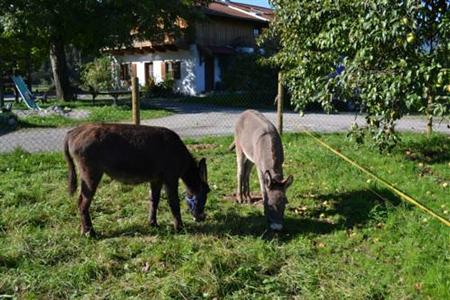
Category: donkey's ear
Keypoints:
(288, 181)
(202, 169)
(268, 179)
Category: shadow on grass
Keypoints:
(22, 124)
(354, 208)
(9, 262)
(86, 103)
(435, 149)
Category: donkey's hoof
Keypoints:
(154, 224)
(90, 234)
(178, 228)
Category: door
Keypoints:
(148, 73)
(209, 73)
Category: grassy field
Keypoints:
(100, 111)
(346, 237)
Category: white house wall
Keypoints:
(192, 73)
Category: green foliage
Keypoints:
(97, 76)
(18, 50)
(342, 240)
(395, 54)
(164, 88)
(244, 72)
(90, 25)
(8, 121)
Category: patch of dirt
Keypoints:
(256, 199)
(200, 147)
(427, 171)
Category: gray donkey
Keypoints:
(257, 141)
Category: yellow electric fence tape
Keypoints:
(401, 194)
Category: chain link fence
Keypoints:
(190, 117)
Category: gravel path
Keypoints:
(193, 120)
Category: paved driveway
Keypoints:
(192, 120)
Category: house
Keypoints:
(229, 28)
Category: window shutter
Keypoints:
(163, 70)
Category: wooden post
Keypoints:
(135, 100)
(2, 91)
(280, 100)
(429, 108)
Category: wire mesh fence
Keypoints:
(190, 117)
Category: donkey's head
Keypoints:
(276, 202)
(196, 201)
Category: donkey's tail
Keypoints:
(232, 146)
(72, 178)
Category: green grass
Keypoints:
(101, 111)
(341, 239)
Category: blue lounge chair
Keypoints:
(25, 94)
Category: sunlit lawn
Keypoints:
(99, 111)
(345, 237)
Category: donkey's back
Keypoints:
(259, 139)
(128, 153)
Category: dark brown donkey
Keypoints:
(135, 154)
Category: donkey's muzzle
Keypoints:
(276, 226)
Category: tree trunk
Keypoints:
(29, 70)
(59, 69)
(280, 100)
(16, 95)
(429, 130)
(2, 91)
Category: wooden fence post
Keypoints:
(280, 101)
(135, 100)
(2, 91)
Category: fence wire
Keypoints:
(190, 117)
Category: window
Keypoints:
(173, 69)
(256, 32)
(125, 71)
(148, 73)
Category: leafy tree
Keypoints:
(16, 54)
(395, 57)
(97, 75)
(90, 25)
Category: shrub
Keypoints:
(97, 75)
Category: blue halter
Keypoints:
(191, 202)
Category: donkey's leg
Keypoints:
(240, 159)
(262, 187)
(155, 195)
(89, 184)
(247, 170)
(174, 202)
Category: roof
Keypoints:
(242, 11)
